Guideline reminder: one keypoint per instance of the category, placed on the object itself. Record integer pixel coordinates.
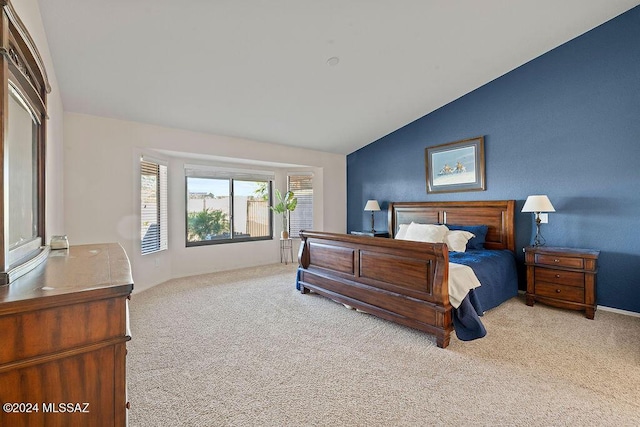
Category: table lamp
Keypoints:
(372, 205)
(538, 204)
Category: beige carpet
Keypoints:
(243, 348)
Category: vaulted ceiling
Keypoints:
(330, 75)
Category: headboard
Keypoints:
(498, 215)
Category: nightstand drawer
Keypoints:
(566, 293)
(559, 261)
(561, 277)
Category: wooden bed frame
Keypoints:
(402, 281)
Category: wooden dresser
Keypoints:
(63, 334)
(562, 277)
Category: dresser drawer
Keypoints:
(561, 277)
(562, 292)
(560, 261)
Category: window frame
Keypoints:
(231, 177)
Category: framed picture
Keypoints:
(455, 166)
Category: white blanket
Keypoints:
(461, 280)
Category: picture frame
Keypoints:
(455, 166)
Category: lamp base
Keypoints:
(538, 240)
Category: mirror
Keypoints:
(21, 152)
(24, 87)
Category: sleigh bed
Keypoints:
(408, 281)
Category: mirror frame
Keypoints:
(21, 67)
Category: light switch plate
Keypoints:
(544, 218)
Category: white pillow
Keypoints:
(457, 240)
(429, 233)
(402, 231)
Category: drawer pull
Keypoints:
(557, 291)
(128, 405)
(556, 260)
(557, 276)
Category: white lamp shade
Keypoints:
(372, 205)
(538, 203)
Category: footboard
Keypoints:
(402, 281)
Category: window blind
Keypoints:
(153, 207)
(302, 217)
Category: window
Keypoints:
(153, 207)
(227, 206)
(302, 217)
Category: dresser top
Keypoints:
(554, 250)
(83, 271)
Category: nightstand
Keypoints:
(371, 233)
(562, 277)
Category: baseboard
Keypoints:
(617, 310)
(604, 308)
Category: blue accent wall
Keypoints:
(566, 124)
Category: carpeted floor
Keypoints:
(244, 348)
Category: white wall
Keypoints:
(92, 183)
(102, 184)
(29, 13)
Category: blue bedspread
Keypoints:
(497, 273)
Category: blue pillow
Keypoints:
(480, 231)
